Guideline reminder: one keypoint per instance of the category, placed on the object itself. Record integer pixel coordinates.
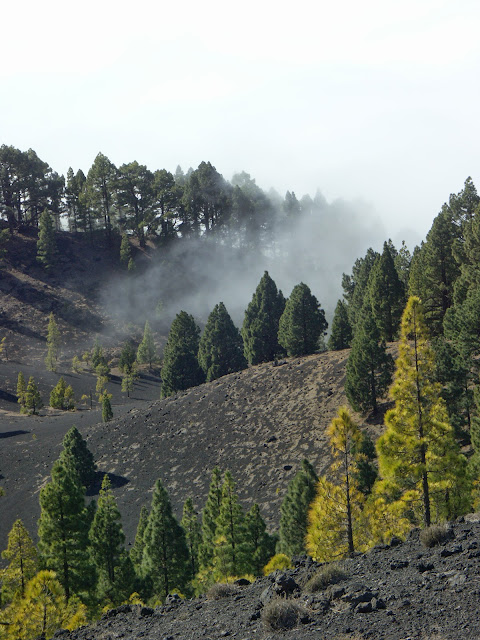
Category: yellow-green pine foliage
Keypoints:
(21, 391)
(33, 399)
(44, 609)
(384, 519)
(327, 537)
(21, 555)
(335, 514)
(278, 561)
(62, 397)
(418, 454)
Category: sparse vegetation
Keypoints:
(434, 535)
(281, 615)
(221, 590)
(331, 573)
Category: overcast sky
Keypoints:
(373, 100)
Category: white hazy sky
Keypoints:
(373, 100)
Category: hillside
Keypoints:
(259, 424)
(402, 591)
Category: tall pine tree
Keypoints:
(180, 368)
(418, 452)
(221, 348)
(294, 510)
(165, 555)
(341, 334)
(387, 296)
(369, 366)
(301, 323)
(260, 325)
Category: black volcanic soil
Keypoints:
(399, 592)
(259, 423)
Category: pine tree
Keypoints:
(63, 528)
(418, 453)
(193, 533)
(128, 380)
(125, 251)
(366, 472)
(294, 510)
(434, 270)
(355, 286)
(75, 450)
(165, 554)
(46, 243)
(180, 368)
(301, 323)
(261, 544)
(146, 352)
(232, 553)
(106, 541)
(53, 344)
(136, 552)
(61, 396)
(341, 335)
(386, 294)
(334, 517)
(260, 325)
(210, 515)
(98, 356)
(369, 366)
(107, 412)
(22, 562)
(33, 399)
(127, 357)
(221, 348)
(45, 609)
(21, 391)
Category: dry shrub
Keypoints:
(435, 534)
(221, 590)
(325, 576)
(279, 614)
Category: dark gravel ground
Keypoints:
(399, 592)
(259, 424)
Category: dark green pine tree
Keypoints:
(180, 365)
(341, 335)
(434, 270)
(301, 323)
(474, 460)
(355, 286)
(260, 325)
(107, 412)
(107, 545)
(136, 552)
(294, 510)
(232, 552)
(261, 543)
(193, 533)
(365, 462)
(46, 243)
(209, 519)
(165, 555)
(457, 376)
(63, 528)
(75, 448)
(127, 357)
(369, 366)
(221, 347)
(125, 251)
(146, 352)
(387, 295)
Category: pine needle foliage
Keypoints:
(180, 368)
(221, 347)
(341, 334)
(302, 322)
(53, 344)
(418, 453)
(22, 559)
(294, 510)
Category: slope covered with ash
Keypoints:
(396, 592)
(259, 423)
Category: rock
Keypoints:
(399, 564)
(364, 607)
(173, 598)
(425, 566)
(456, 548)
(146, 611)
(242, 582)
(285, 584)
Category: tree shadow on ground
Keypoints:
(12, 434)
(115, 481)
